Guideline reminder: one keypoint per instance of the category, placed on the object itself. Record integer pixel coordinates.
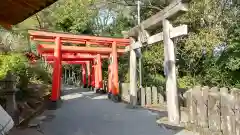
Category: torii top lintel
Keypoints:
(79, 39)
(70, 62)
(46, 48)
(76, 56)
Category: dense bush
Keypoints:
(25, 72)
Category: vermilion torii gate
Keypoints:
(109, 47)
(96, 76)
(84, 60)
(84, 70)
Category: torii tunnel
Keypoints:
(90, 54)
(85, 60)
(85, 68)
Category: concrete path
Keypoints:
(86, 113)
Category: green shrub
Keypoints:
(186, 82)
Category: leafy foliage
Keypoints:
(12, 62)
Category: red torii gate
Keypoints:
(84, 65)
(84, 60)
(57, 49)
(46, 48)
(70, 58)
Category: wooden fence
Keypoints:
(146, 96)
(149, 96)
(209, 111)
(213, 110)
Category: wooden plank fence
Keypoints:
(214, 111)
(146, 96)
(210, 111)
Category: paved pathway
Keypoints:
(85, 113)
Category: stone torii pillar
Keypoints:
(133, 75)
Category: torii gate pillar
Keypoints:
(115, 88)
(57, 67)
(133, 76)
(96, 69)
(110, 77)
(84, 77)
(88, 74)
(93, 75)
(171, 79)
(99, 66)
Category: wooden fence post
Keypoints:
(214, 112)
(192, 108)
(125, 92)
(228, 114)
(197, 102)
(224, 110)
(148, 96)
(143, 97)
(161, 96)
(237, 111)
(154, 95)
(203, 110)
(233, 111)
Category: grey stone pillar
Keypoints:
(8, 85)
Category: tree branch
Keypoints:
(39, 22)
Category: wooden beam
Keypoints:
(173, 10)
(174, 32)
(73, 36)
